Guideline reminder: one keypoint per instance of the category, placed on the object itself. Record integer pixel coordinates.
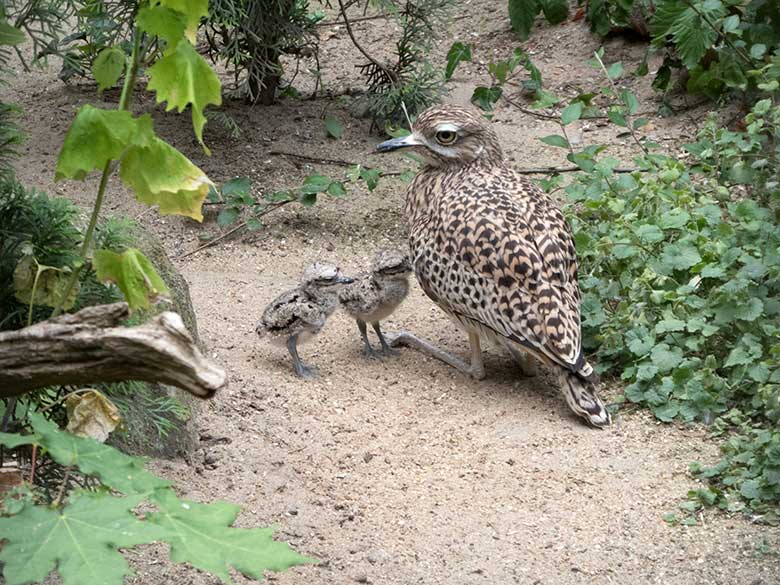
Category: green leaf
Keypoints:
(555, 11)
(521, 16)
(485, 97)
(615, 70)
(750, 489)
(10, 35)
(315, 184)
(161, 175)
(616, 116)
(193, 11)
(666, 412)
(666, 358)
(555, 140)
(163, 22)
(680, 256)
(114, 469)
(336, 188)
(458, 52)
(757, 51)
(133, 273)
(307, 199)
(182, 77)
(692, 36)
(202, 535)
(571, 113)
(630, 101)
(674, 219)
(97, 136)
(333, 127)
(669, 324)
(80, 541)
(108, 67)
(227, 216)
(237, 187)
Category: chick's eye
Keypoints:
(446, 137)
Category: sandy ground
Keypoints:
(404, 471)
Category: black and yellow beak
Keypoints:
(396, 143)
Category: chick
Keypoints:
(376, 294)
(300, 313)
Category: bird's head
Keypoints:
(391, 263)
(324, 276)
(448, 135)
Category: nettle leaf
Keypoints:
(202, 535)
(114, 469)
(98, 136)
(108, 67)
(81, 540)
(333, 127)
(521, 16)
(163, 22)
(458, 52)
(161, 175)
(133, 273)
(182, 77)
(693, 37)
(193, 11)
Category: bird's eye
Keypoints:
(446, 137)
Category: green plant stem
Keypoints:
(124, 103)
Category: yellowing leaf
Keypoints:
(38, 284)
(183, 77)
(108, 66)
(91, 414)
(161, 175)
(133, 273)
(98, 136)
(193, 11)
(164, 23)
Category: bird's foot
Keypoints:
(388, 351)
(404, 338)
(306, 372)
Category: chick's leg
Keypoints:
(386, 349)
(301, 369)
(368, 351)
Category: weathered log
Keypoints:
(90, 347)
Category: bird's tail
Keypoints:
(581, 397)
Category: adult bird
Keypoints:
(494, 252)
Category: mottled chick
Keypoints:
(376, 294)
(494, 252)
(298, 314)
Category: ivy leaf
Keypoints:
(333, 127)
(163, 22)
(98, 136)
(521, 15)
(458, 52)
(108, 67)
(202, 535)
(485, 97)
(183, 77)
(571, 113)
(114, 469)
(555, 140)
(193, 11)
(161, 175)
(81, 540)
(133, 273)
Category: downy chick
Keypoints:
(300, 313)
(375, 295)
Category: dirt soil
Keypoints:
(403, 471)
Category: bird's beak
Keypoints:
(344, 280)
(396, 143)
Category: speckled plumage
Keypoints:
(494, 252)
(298, 314)
(376, 294)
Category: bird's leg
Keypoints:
(477, 368)
(410, 340)
(386, 349)
(368, 351)
(301, 369)
(526, 361)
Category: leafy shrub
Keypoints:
(523, 12)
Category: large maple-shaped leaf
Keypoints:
(164, 23)
(133, 273)
(193, 11)
(161, 175)
(98, 136)
(80, 540)
(183, 77)
(202, 535)
(115, 469)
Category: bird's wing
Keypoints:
(290, 307)
(519, 246)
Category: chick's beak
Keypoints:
(344, 280)
(396, 143)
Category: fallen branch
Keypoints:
(328, 161)
(90, 347)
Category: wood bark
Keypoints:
(90, 347)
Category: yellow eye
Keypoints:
(446, 137)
